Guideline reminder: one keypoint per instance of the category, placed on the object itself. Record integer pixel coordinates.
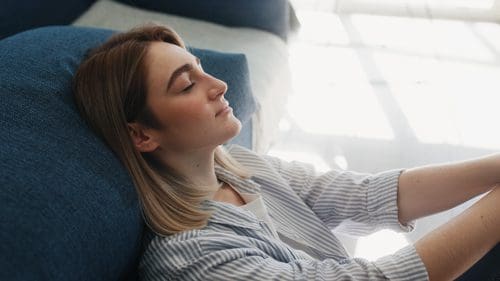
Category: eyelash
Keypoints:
(188, 88)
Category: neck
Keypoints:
(196, 165)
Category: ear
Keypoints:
(142, 138)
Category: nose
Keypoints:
(217, 88)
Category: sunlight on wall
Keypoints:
(379, 244)
(429, 4)
(326, 76)
(453, 117)
(316, 23)
(489, 32)
(441, 73)
(475, 4)
(416, 37)
(326, 70)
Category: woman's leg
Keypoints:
(487, 268)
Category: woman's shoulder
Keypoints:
(247, 156)
(157, 241)
(170, 254)
(190, 251)
(235, 148)
(194, 236)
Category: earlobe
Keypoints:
(141, 139)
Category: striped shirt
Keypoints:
(304, 207)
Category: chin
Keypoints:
(233, 130)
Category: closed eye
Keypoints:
(188, 87)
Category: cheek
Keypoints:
(189, 113)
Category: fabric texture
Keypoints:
(255, 204)
(269, 15)
(68, 209)
(236, 245)
(21, 15)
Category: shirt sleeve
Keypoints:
(362, 203)
(187, 261)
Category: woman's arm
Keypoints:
(214, 255)
(427, 190)
(366, 202)
(454, 247)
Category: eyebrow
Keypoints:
(184, 68)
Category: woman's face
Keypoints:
(188, 103)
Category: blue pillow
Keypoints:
(20, 15)
(269, 15)
(68, 209)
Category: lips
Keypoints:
(224, 109)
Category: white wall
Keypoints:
(479, 10)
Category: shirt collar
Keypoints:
(229, 214)
(242, 185)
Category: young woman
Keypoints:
(230, 214)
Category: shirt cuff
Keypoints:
(405, 264)
(383, 201)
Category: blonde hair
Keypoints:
(110, 90)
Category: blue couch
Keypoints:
(275, 16)
(68, 210)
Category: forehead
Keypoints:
(166, 56)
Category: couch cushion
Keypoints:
(269, 15)
(20, 15)
(68, 209)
